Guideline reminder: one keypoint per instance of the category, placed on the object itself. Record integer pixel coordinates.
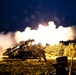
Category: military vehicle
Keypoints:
(26, 50)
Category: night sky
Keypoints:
(18, 14)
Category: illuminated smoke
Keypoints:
(47, 34)
(44, 34)
(6, 40)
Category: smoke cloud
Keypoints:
(44, 34)
(47, 34)
(6, 40)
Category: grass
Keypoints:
(27, 67)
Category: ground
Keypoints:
(27, 67)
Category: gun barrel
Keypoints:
(16, 48)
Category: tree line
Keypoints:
(61, 50)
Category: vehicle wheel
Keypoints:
(23, 57)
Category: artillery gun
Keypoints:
(10, 51)
(25, 50)
(18, 50)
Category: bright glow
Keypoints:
(46, 34)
